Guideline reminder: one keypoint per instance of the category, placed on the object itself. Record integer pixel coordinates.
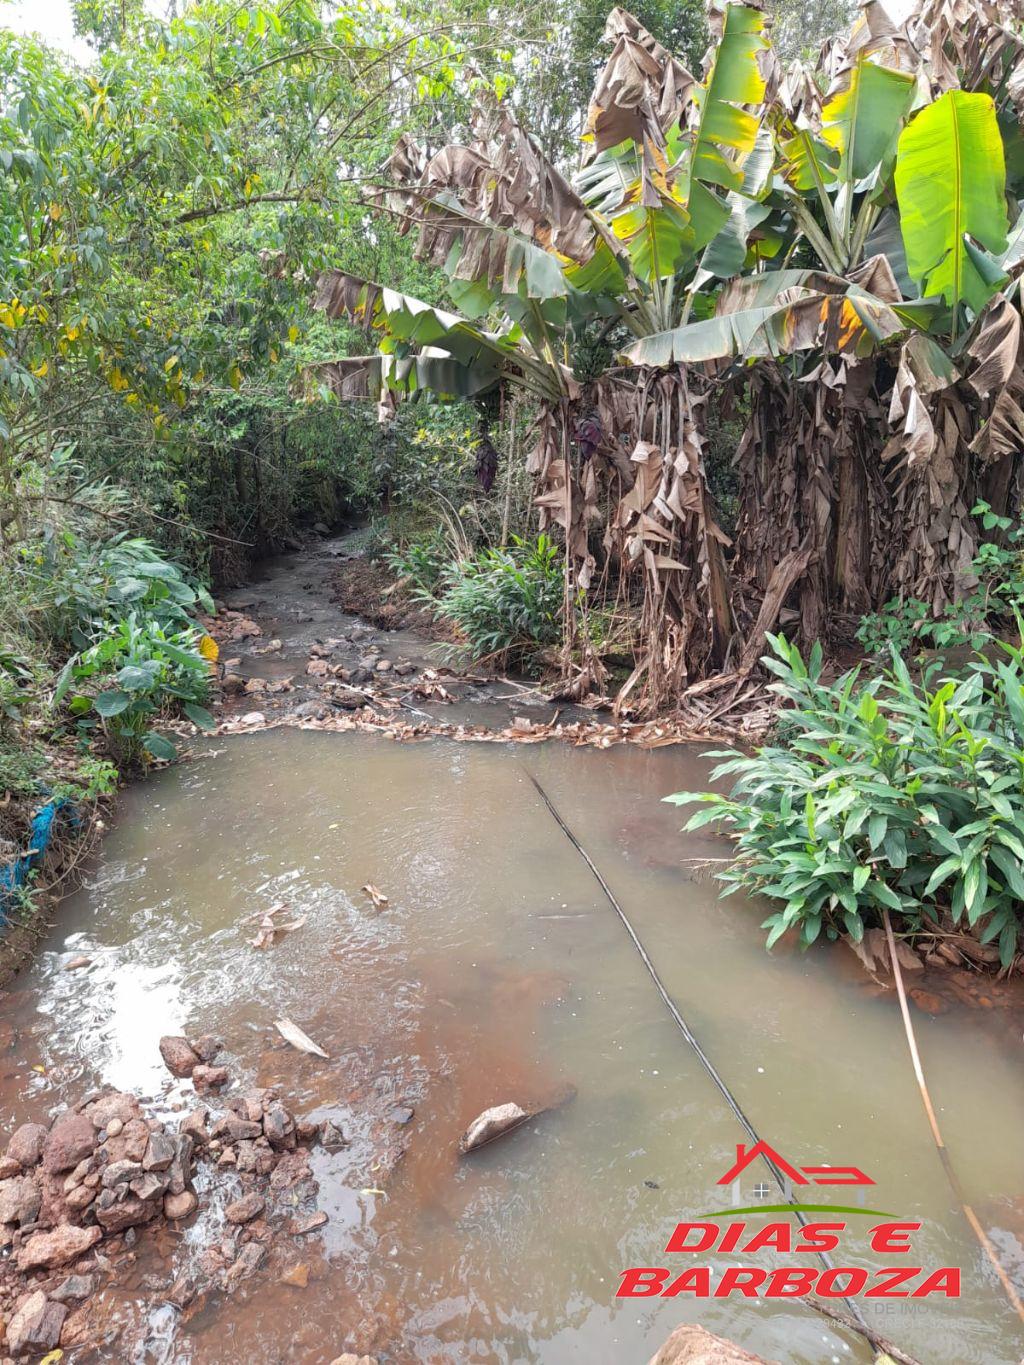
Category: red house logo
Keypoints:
(796, 1175)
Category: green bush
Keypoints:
(75, 584)
(130, 677)
(506, 604)
(887, 793)
(421, 562)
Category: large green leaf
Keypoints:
(861, 121)
(726, 133)
(950, 185)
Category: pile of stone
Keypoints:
(103, 1170)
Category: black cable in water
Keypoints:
(705, 1060)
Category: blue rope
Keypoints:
(15, 874)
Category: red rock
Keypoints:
(9, 1167)
(692, 1345)
(71, 1138)
(20, 1199)
(308, 1223)
(129, 1213)
(26, 1144)
(180, 1205)
(179, 1058)
(247, 1208)
(65, 1243)
(207, 1047)
(194, 1124)
(207, 1078)
(35, 1327)
(113, 1108)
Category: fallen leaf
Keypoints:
(291, 1033)
(298, 1275)
(376, 895)
(371, 1189)
(270, 928)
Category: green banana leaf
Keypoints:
(861, 121)
(950, 187)
(361, 377)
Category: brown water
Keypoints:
(498, 972)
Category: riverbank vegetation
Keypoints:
(638, 340)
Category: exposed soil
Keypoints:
(367, 588)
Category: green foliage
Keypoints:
(421, 562)
(993, 603)
(889, 793)
(135, 673)
(505, 603)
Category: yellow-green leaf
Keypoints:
(951, 187)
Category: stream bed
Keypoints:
(498, 971)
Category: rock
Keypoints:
(128, 1213)
(207, 1078)
(26, 1144)
(307, 1130)
(297, 1276)
(321, 529)
(65, 1243)
(9, 1167)
(309, 1223)
(119, 1173)
(245, 1156)
(309, 710)
(160, 1152)
(194, 1125)
(279, 1126)
(244, 1210)
(74, 1288)
(491, 1124)
(254, 718)
(928, 1002)
(231, 1128)
(36, 1326)
(180, 1205)
(20, 1198)
(317, 668)
(401, 1113)
(292, 1168)
(332, 1139)
(178, 1056)
(112, 1111)
(349, 1358)
(692, 1345)
(232, 683)
(78, 1174)
(255, 687)
(383, 666)
(250, 1258)
(180, 1171)
(133, 1140)
(70, 1139)
(152, 1185)
(208, 1047)
(74, 963)
(80, 1198)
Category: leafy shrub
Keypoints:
(998, 569)
(505, 603)
(136, 672)
(421, 562)
(889, 793)
(78, 584)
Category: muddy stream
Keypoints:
(498, 971)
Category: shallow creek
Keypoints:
(498, 971)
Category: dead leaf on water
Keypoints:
(376, 895)
(291, 1033)
(270, 927)
(373, 1190)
